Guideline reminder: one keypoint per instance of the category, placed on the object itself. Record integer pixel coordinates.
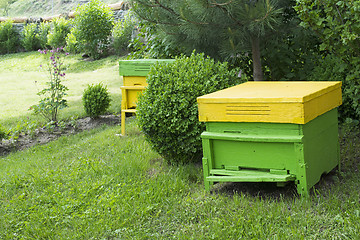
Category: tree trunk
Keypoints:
(255, 48)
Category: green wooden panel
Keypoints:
(139, 67)
(272, 152)
(262, 155)
(248, 176)
(254, 128)
(251, 138)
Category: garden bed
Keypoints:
(44, 135)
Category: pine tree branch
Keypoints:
(221, 6)
(214, 3)
(172, 11)
(157, 22)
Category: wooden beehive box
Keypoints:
(271, 132)
(134, 73)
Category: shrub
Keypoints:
(122, 33)
(96, 100)
(30, 40)
(93, 24)
(9, 37)
(58, 32)
(334, 68)
(167, 110)
(71, 42)
(44, 30)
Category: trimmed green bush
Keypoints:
(93, 25)
(9, 37)
(167, 110)
(96, 100)
(58, 32)
(30, 40)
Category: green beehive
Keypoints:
(271, 132)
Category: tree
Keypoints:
(216, 27)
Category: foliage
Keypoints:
(3, 133)
(9, 37)
(149, 44)
(214, 27)
(93, 24)
(167, 110)
(23, 127)
(291, 52)
(336, 23)
(334, 68)
(44, 29)
(71, 42)
(53, 96)
(122, 33)
(96, 100)
(60, 28)
(30, 39)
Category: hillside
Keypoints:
(43, 8)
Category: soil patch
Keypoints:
(43, 135)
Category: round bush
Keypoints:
(96, 100)
(167, 110)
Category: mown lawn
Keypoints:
(21, 77)
(97, 185)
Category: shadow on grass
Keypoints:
(262, 190)
(82, 65)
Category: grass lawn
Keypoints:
(97, 185)
(21, 78)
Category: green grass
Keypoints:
(96, 185)
(21, 78)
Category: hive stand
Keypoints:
(133, 86)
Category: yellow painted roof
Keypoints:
(267, 91)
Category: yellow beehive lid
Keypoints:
(279, 102)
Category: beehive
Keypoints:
(271, 132)
(134, 73)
